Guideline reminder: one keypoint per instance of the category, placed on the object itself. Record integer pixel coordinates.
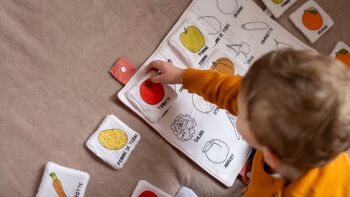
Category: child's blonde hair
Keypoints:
(298, 106)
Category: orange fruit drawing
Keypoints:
(312, 19)
(223, 65)
(344, 56)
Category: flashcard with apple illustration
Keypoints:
(311, 20)
(220, 35)
(192, 41)
(278, 7)
(341, 52)
(151, 99)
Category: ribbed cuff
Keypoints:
(191, 78)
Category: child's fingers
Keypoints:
(159, 79)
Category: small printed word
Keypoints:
(228, 162)
(239, 10)
(250, 60)
(324, 28)
(203, 50)
(200, 134)
(267, 35)
(162, 105)
(78, 190)
(203, 60)
(285, 3)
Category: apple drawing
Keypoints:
(151, 93)
(148, 194)
(192, 39)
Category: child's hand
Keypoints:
(168, 73)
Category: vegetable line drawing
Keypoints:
(256, 25)
(192, 39)
(281, 45)
(202, 105)
(227, 6)
(242, 51)
(183, 127)
(57, 185)
(233, 123)
(216, 151)
(211, 24)
(113, 139)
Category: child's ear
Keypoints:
(271, 158)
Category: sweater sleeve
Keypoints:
(215, 87)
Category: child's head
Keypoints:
(296, 105)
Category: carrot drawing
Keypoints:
(57, 185)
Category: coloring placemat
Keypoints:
(223, 35)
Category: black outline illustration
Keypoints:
(256, 25)
(278, 43)
(242, 48)
(224, 8)
(183, 127)
(233, 123)
(200, 104)
(209, 23)
(224, 150)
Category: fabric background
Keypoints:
(55, 89)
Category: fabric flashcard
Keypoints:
(192, 41)
(226, 62)
(311, 20)
(62, 182)
(278, 7)
(113, 141)
(123, 70)
(152, 100)
(185, 192)
(145, 189)
(341, 52)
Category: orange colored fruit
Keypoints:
(344, 56)
(312, 19)
(224, 65)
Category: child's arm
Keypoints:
(213, 86)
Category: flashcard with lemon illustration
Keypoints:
(113, 141)
(341, 52)
(191, 41)
(311, 20)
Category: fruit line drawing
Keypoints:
(344, 56)
(312, 19)
(233, 123)
(183, 127)
(113, 139)
(281, 45)
(202, 105)
(192, 39)
(151, 93)
(256, 25)
(57, 185)
(227, 6)
(216, 151)
(211, 24)
(242, 50)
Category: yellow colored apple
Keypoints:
(193, 39)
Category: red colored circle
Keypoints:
(151, 93)
(148, 194)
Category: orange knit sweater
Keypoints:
(332, 179)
